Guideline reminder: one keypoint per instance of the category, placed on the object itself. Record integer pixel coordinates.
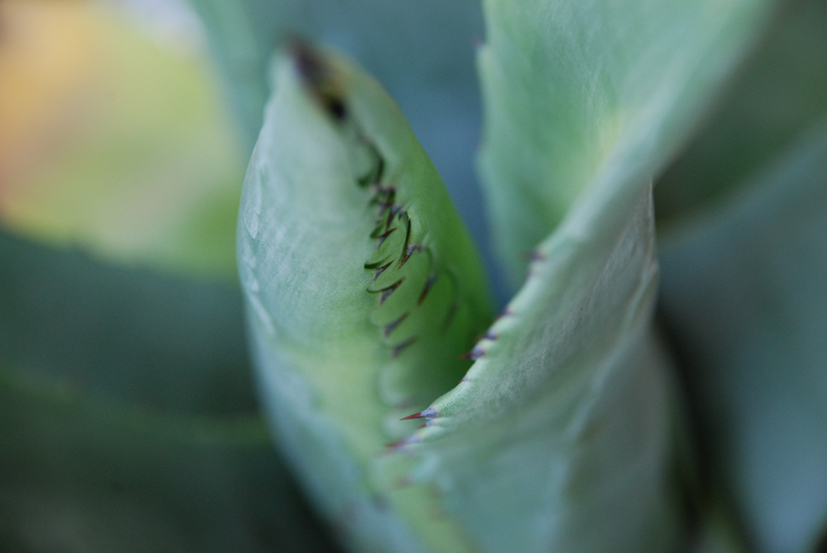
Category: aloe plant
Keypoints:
(562, 434)
(618, 138)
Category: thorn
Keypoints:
(391, 215)
(428, 283)
(382, 237)
(449, 318)
(381, 270)
(406, 248)
(504, 313)
(410, 251)
(466, 379)
(428, 413)
(388, 290)
(399, 348)
(487, 336)
(390, 327)
(474, 354)
(375, 264)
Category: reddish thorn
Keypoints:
(505, 313)
(428, 413)
(474, 354)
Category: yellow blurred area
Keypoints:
(46, 58)
(113, 141)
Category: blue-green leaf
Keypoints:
(576, 92)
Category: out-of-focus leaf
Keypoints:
(363, 289)
(127, 419)
(126, 151)
(743, 289)
(161, 341)
(744, 294)
(578, 92)
(560, 436)
(745, 214)
(777, 95)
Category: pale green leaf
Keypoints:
(362, 287)
(745, 297)
(576, 92)
(560, 436)
(127, 415)
(746, 215)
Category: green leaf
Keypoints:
(745, 298)
(744, 275)
(127, 415)
(436, 89)
(776, 96)
(580, 92)
(560, 436)
(362, 288)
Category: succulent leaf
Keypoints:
(363, 290)
(579, 91)
(559, 436)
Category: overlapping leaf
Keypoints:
(577, 92)
(362, 287)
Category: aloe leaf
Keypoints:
(128, 420)
(773, 100)
(362, 288)
(744, 295)
(126, 151)
(575, 92)
(743, 284)
(559, 437)
(436, 89)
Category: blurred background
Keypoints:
(128, 416)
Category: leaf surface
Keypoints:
(559, 437)
(362, 288)
(743, 287)
(578, 92)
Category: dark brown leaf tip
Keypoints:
(319, 77)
